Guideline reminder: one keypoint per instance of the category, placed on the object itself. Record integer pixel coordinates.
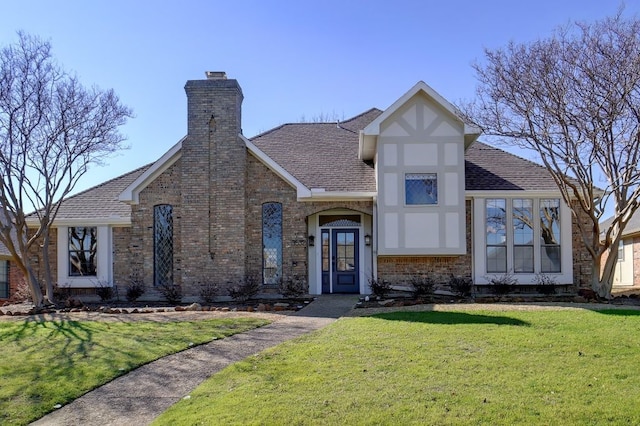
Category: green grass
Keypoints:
(542, 367)
(44, 363)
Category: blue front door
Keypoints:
(345, 271)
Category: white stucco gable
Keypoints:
(368, 136)
(418, 147)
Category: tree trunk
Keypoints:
(34, 286)
(602, 276)
(47, 270)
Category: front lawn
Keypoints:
(44, 363)
(514, 367)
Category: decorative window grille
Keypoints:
(163, 244)
(271, 243)
(421, 188)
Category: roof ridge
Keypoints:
(355, 117)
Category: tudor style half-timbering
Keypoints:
(386, 194)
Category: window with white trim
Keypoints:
(550, 235)
(4, 279)
(520, 229)
(83, 248)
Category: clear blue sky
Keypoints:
(292, 58)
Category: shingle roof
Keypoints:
(632, 228)
(101, 201)
(492, 169)
(322, 155)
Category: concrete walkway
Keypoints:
(140, 396)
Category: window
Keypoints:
(621, 251)
(496, 227)
(83, 244)
(163, 244)
(271, 243)
(4, 279)
(421, 188)
(530, 243)
(550, 235)
(522, 235)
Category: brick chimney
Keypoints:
(213, 182)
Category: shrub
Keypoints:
(292, 287)
(209, 291)
(545, 284)
(61, 294)
(503, 284)
(379, 287)
(171, 292)
(245, 290)
(135, 289)
(461, 286)
(104, 291)
(422, 286)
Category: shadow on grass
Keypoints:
(619, 312)
(450, 318)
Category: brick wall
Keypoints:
(400, 269)
(582, 261)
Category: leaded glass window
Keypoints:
(421, 188)
(83, 247)
(271, 243)
(496, 234)
(163, 244)
(550, 235)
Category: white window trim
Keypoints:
(104, 270)
(479, 241)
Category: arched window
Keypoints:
(163, 244)
(271, 243)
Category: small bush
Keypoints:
(422, 286)
(171, 292)
(503, 284)
(105, 291)
(379, 287)
(22, 293)
(461, 286)
(293, 287)
(545, 284)
(245, 290)
(209, 291)
(61, 294)
(135, 289)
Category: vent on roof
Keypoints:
(216, 75)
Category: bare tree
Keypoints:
(51, 129)
(574, 98)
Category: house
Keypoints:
(627, 270)
(10, 278)
(386, 194)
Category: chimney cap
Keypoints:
(216, 75)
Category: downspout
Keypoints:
(374, 242)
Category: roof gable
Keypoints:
(368, 136)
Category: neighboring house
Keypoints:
(5, 257)
(387, 194)
(627, 272)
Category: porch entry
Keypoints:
(340, 260)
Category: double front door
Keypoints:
(340, 261)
